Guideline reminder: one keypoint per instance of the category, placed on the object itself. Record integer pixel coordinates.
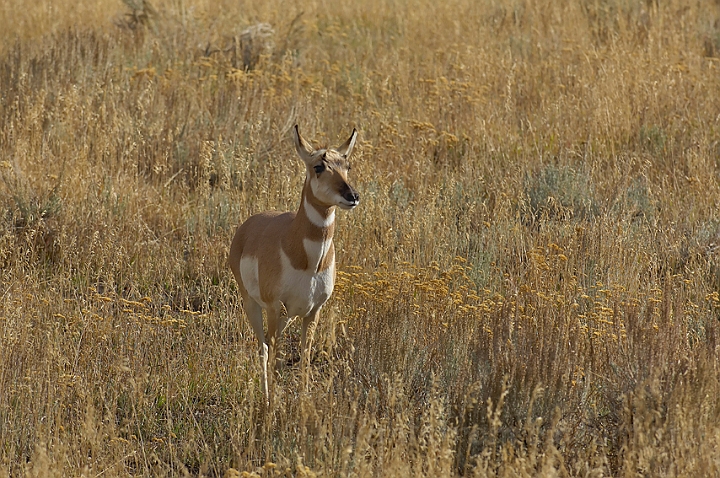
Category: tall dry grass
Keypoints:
(529, 287)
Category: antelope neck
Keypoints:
(313, 221)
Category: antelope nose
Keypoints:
(353, 196)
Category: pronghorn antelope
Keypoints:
(287, 260)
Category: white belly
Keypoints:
(251, 279)
(304, 291)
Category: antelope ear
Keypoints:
(303, 148)
(347, 148)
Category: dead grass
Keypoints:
(529, 287)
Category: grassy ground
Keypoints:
(528, 288)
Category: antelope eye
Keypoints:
(319, 168)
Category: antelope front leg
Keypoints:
(305, 344)
(277, 321)
(254, 315)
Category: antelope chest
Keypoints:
(302, 291)
(306, 290)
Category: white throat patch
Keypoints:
(315, 217)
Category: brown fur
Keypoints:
(268, 229)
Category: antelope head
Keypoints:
(327, 170)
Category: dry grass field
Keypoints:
(529, 287)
